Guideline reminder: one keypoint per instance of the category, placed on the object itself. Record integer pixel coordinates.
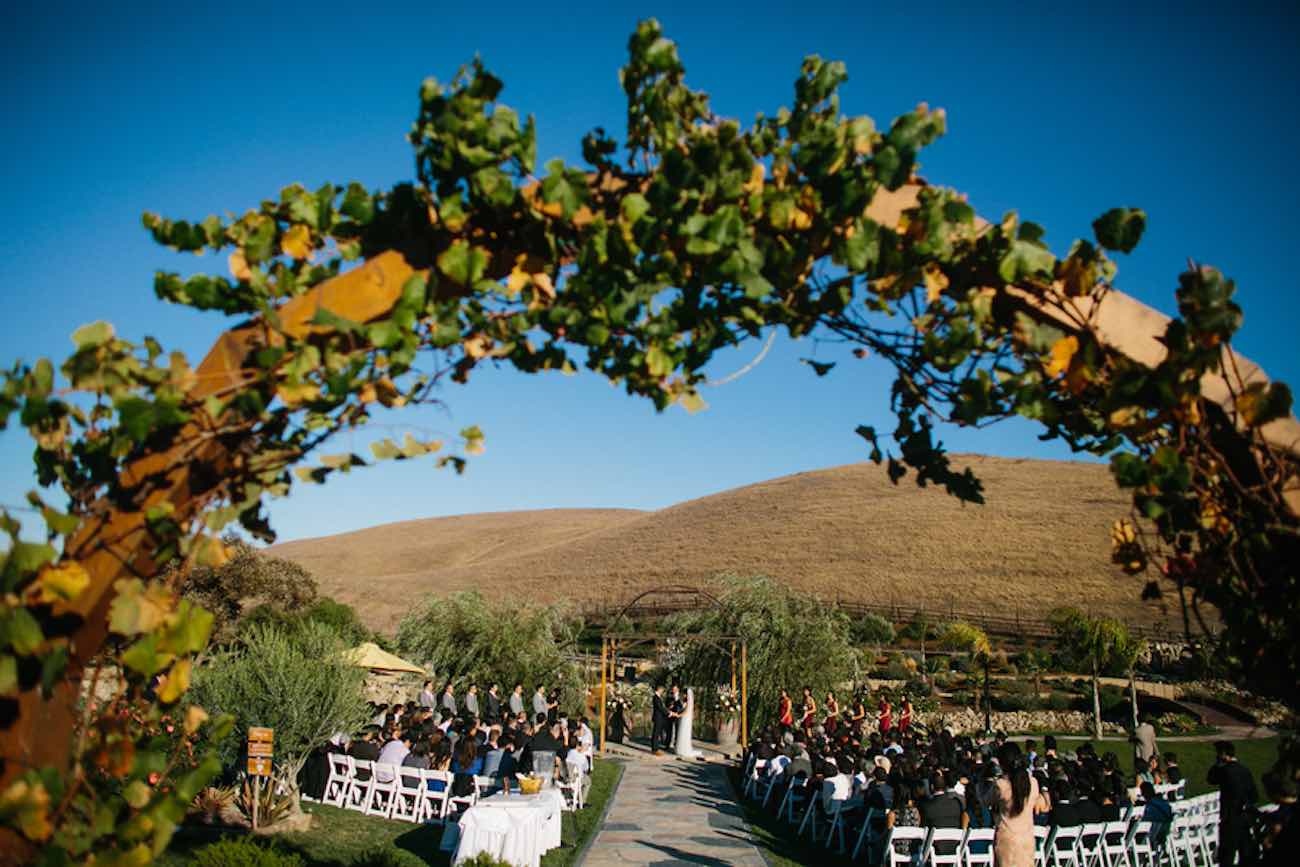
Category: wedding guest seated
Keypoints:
(943, 809)
(1158, 812)
(393, 753)
(1173, 774)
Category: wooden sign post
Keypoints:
(260, 750)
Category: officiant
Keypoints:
(660, 725)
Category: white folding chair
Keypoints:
(795, 794)
(1140, 851)
(811, 814)
(409, 797)
(756, 766)
(977, 848)
(1063, 849)
(465, 801)
(1090, 848)
(837, 825)
(434, 805)
(1041, 834)
(1114, 844)
(917, 840)
(336, 785)
(570, 787)
(953, 843)
(360, 784)
(383, 790)
(1181, 844)
(866, 836)
(768, 785)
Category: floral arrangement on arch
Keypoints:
(727, 702)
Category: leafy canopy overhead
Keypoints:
(693, 234)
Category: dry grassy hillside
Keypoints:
(1041, 540)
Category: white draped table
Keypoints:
(517, 829)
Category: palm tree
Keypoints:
(973, 640)
(1097, 643)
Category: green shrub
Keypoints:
(244, 852)
(872, 629)
(388, 856)
(1059, 700)
(483, 859)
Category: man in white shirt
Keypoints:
(393, 753)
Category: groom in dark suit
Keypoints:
(659, 722)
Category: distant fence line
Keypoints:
(1016, 625)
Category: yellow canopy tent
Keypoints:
(372, 656)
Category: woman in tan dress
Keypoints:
(1017, 799)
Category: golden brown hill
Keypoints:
(1041, 540)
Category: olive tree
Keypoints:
(296, 681)
(793, 640)
(467, 638)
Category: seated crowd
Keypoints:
(493, 745)
(912, 777)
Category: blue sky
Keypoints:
(1182, 109)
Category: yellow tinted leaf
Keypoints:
(935, 282)
(239, 265)
(27, 806)
(136, 794)
(801, 219)
(63, 582)
(692, 402)
(756, 176)
(292, 395)
(176, 682)
(1062, 352)
(297, 242)
(137, 608)
(542, 281)
(478, 346)
(516, 282)
(195, 716)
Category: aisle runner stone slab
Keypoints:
(671, 812)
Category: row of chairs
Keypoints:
(407, 794)
(1191, 839)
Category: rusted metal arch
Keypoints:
(668, 589)
(611, 643)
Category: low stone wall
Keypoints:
(969, 721)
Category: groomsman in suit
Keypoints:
(492, 704)
(517, 700)
(659, 722)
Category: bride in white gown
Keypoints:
(684, 725)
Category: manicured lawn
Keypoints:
(345, 837)
(1194, 757)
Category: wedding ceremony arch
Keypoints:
(653, 602)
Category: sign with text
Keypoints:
(260, 742)
(259, 767)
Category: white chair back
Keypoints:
(912, 839)
(435, 805)
(361, 784)
(978, 846)
(945, 847)
(336, 785)
(1041, 834)
(1090, 844)
(383, 790)
(1063, 847)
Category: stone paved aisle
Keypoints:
(673, 812)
